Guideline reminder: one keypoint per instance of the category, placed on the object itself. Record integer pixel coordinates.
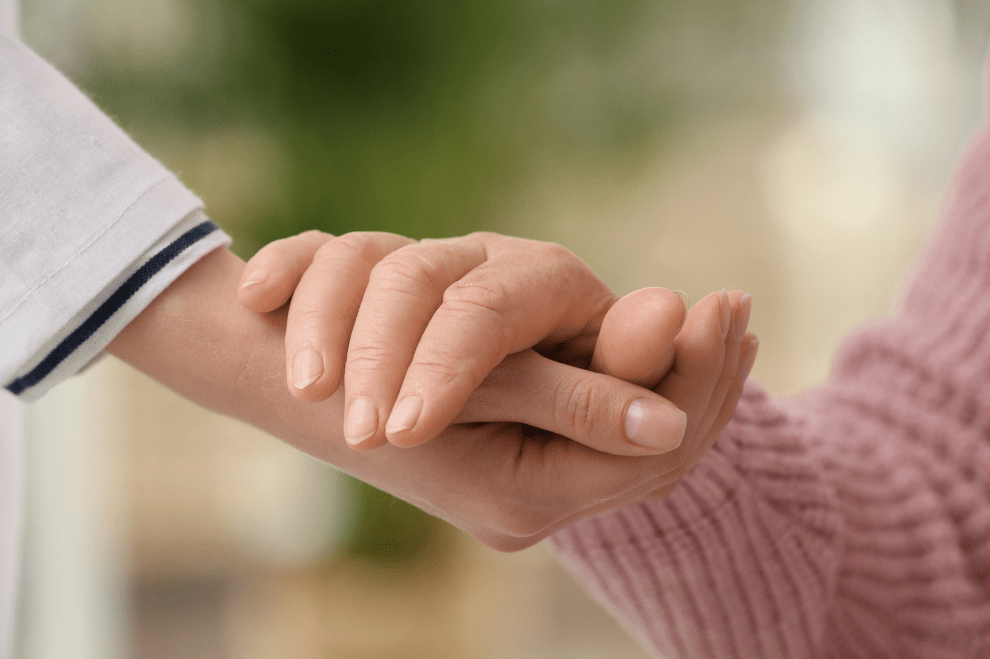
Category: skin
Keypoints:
(394, 320)
(506, 471)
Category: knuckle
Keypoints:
(355, 252)
(370, 355)
(406, 270)
(555, 251)
(339, 257)
(486, 236)
(446, 370)
(486, 293)
(308, 319)
(579, 402)
(357, 245)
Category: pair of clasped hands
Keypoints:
(502, 385)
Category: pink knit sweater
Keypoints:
(852, 521)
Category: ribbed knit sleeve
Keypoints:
(852, 521)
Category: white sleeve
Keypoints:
(92, 228)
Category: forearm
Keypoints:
(198, 340)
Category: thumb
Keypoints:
(594, 409)
(636, 339)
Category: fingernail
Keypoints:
(742, 321)
(747, 364)
(654, 425)
(684, 296)
(257, 277)
(725, 312)
(405, 414)
(361, 422)
(306, 368)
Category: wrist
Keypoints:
(198, 340)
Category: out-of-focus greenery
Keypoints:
(420, 117)
(414, 116)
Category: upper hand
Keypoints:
(412, 329)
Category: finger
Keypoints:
(747, 357)
(698, 360)
(615, 484)
(525, 294)
(738, 359)
(601, 412)
(324, 307)
(272, 274)
(403, 293)
(636, 340)
(563, 475)
(741, 349)
(750, 347)
(741, 304)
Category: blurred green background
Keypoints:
(424, 117)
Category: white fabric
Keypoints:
(11, 464)
(11, 494)
(56, 334)
(80, 204)
(84, 214)
(10, 17)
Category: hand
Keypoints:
(509, 484)
(628, 348)
(424, 324)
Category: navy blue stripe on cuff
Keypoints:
(106, 310)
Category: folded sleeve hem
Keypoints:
(82, 340)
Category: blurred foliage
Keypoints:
(387, 529)
(420, 117)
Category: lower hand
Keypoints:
(508, 474)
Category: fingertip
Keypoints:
(751, 346)
(310, 377)
(316, 392)
(402, 421)
(250, 289)
(267, 290)
(361, 421)
(637, 335)
(725, 312)
(368, 444)
(654, 424)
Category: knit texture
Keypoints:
(852, 521)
